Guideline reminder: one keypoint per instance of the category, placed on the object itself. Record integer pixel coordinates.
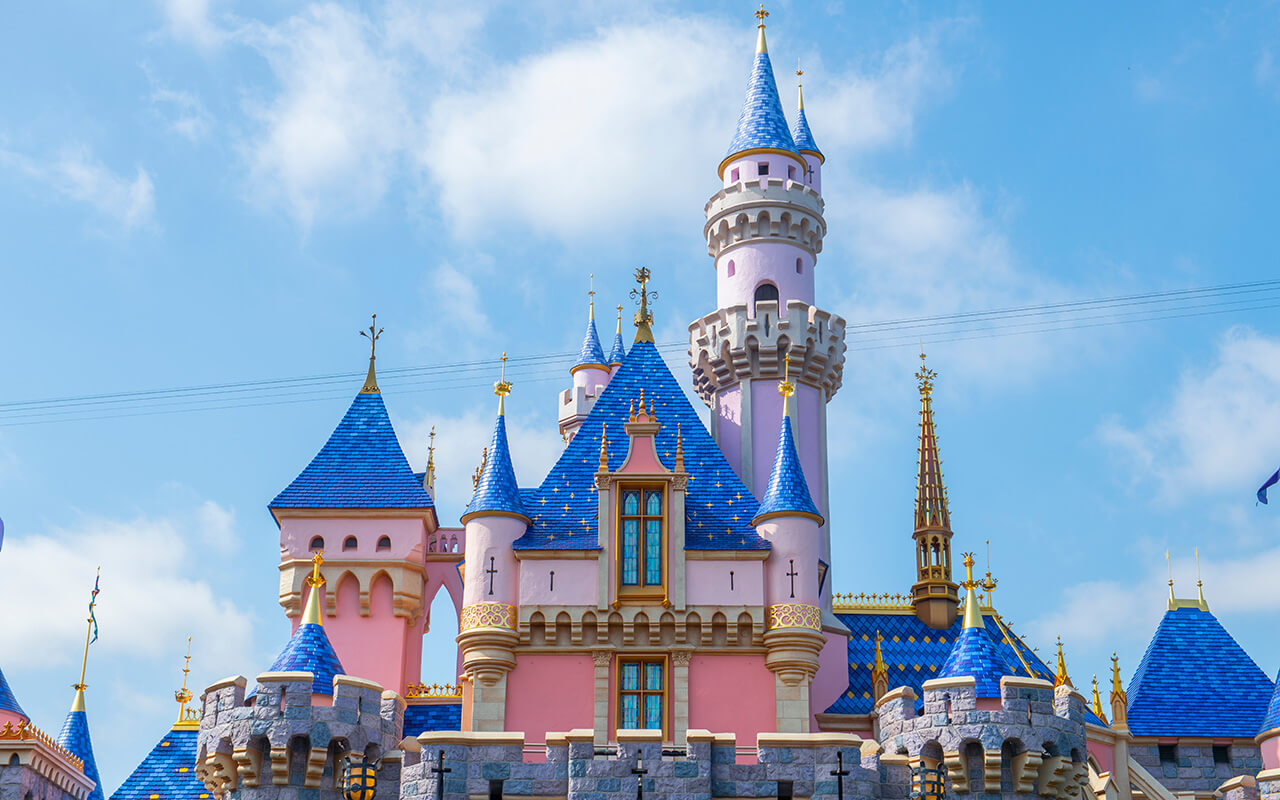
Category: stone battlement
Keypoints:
(255, 747)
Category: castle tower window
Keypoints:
(731, 269)
(791, 172)
(799, 267)
(766, 291)
(642, 693)
(349, 543)
(640, 531)
(317, 543)
(1221, 754)
(764, 168)
(733, 175)
(1168, 753)
(384, 543)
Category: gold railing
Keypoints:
(417, 691)
(26, 732)
(862, 601)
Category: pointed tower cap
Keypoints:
(787, 494)
(800, 133)
(762, 125)
(497, 494)
(619, 352)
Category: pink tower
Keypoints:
(764, 230)
(590, 375)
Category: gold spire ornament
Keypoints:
(972, 614)
(371, 380)
(591, 293)
(187, 717)
(1061, 678)
(760, 16)
(785, 387)
(1119, 700)
(90, 636)
(934, 593)
(311, 614)
(879, 672)
(1097, 702)
(430, 477)
(988, 585)
(1173, 602)
(799, 87)
(502, 388)
(619, 319)
(679, 448)
(644, 317)
(1200, 584)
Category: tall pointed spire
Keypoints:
(188, 718)
(1061, 678)
(619, 352)
(371, 380)
(496, 490)
(429, 476)
(879, 673)
(642, 296)
(934, 592)
(74, 736)
(591, 355)
(1097, 702)
(762, 125)
(800, 133)
(1119, 700)
(312, 612)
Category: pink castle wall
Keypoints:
(748, 168)
(1105, 755)
(492, 537)
(550, 693)
(707, 583)
(833, 676)
(717, 684)
(575, 582)
(764, 262)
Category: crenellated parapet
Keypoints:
(763, 209)
(1029, 741)
(730, 345)
(258, 747)
(34, 767)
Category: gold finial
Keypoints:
(760, 15)
(925, 376)
(880, 666)
(619, 318)
(591, 293)
(1116, 687)
(502, 388)
(184, 695)
(1097, 702)
(1061, 678)
(644, 317)
(799, 86)
(604, 447)
(1172, 601)
(972, 614)
(679, 449)
(988, 585)
(785, 387)
(1204, 605)
(430, 477)
(91, 630)
(311, 613)
(371, 380)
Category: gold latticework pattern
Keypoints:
(878, 602)
(793, 615)
(488, 615)
(435, 690)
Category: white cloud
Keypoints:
(154, 592)
(182, 111)
(1220, 430)
(190, 21)
(77, 175)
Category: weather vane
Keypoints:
(372, 335)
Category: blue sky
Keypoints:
(198, 192)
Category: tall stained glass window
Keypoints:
(641, 693)
(640, 537)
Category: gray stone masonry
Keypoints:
(33, 767)
(1268, 785)
(1028, 743)
(1244, 787)
(1195, 770)
(278, 746)
(21, 782)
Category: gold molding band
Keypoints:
(488, 615)
(793, 615)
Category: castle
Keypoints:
(657, 615)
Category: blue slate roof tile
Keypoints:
(361, 466)
(309, 650)
(74, 736)
(787, 491)
(802, 136)
(591, 354)
(168, 771)
(1195, 680)
(718, 507)
(915, 653)
(432, 717)
(975, 655)
(761, 123)
(496, 490)
(9, 701)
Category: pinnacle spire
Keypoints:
(186, 717)
(496, 491)
(1097, 702)
(371, 380)
(761, 46)
(762, 125)
(1061, 678)
(931, 495)
(591, 354)
(311, 614)
(972, 614)
(642, 296)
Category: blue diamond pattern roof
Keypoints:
(619, 352)
(787, 491)
(361, 466)
(9, 701)
(915, 653)
(976, 656)
(1195, 680)
(168, 771)
(761, 122)
(718, 507)
(802, 136)
(432, 717)
(496, 490)
(1271, 719)
(309, 650)
(591, 353)
(74, 736)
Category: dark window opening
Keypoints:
(766, 291)
(786, 790)
(317, 542)
(1221, 754)
(384, 543)
(764, 168)
(1168, 753)
(495, 789)
(349, 543)
(799, 267)
(791, 172)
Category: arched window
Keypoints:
(766, 291)
(317, 543)
(349, 543)
(728, 273)
(384, 543)
(799, 266)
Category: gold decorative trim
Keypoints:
(416, 691)
(26, 732)
(877, 602)
(488, 615)
(793, 615)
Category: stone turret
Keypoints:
(277, 745)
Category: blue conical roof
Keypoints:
(309, 650)
(802, 136)
(976, 655)
(591, 354)
(166, 772)
(1196, 680)
(761, 123)
(619, 352)
(9, 701)
(74, 737)
(361, 466)
(787, 493)
(496, 491)
(1271, 719)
